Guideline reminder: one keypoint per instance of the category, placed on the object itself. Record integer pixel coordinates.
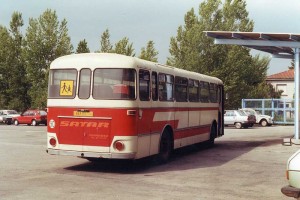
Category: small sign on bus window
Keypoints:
(66, 88)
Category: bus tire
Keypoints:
(165, 147)
(212, 135)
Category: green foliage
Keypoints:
(46, 39)
(82, 47)
(149, 53)
(124, 47)
(105, 45)
(13, 83)
(192, 50)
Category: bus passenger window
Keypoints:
(204, 92)
(154, 86)
(165, 88)
(193, 90)
(144, 85)
(181, 89)
(114, 84)
(84, 84)
(213, 93)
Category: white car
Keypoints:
(263, 120)
(7, 115)
(293, 176)
(238, 118)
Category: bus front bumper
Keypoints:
(291, 191)
(91, 154)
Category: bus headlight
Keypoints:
(51, 123)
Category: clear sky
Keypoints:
(144, 20)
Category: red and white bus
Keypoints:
(120, 107)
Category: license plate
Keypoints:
(83, 114)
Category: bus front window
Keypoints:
(62, 83)
(114, 84)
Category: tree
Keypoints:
(5, 41)
(124, 47)
(13, 82)
(82, 47)
(192, 50)
(149, 53)
(46, 39)
(105, 45)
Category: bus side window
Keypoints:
(165, 88)
(84, 84)
(204, 92)
(154, 86)
(193, 90)
(144, 85)
(213, 93)
(181, 89)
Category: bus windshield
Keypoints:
(107, 84)
(62, 83)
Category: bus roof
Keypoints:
(111, 60)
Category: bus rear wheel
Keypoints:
(213, 134)
(165, 147)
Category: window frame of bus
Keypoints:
(52, 80)
(80, 85)
(167, 79)
(154, 86)
(119, 84)
(193, 84)
(181, 87)
(144, 77)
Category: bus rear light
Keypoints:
(119, 145)
(52, 141)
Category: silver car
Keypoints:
(7, 115)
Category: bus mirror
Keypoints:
(226, 96)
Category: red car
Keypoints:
(31, 117)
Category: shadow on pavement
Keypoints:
(187, 158)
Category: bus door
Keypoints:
(145, 113)
(221, 110)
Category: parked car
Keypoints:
(293, 176)
(31, 117)
(238, 118)
(263, 120)
(7, 115)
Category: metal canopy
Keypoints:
(280, 45)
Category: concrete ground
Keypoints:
(244, 164)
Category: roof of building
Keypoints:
(286, 75)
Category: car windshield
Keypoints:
(242, 113)
(12, 112)
(42, 112)
(252, 112)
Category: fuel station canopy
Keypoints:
(279, 45)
